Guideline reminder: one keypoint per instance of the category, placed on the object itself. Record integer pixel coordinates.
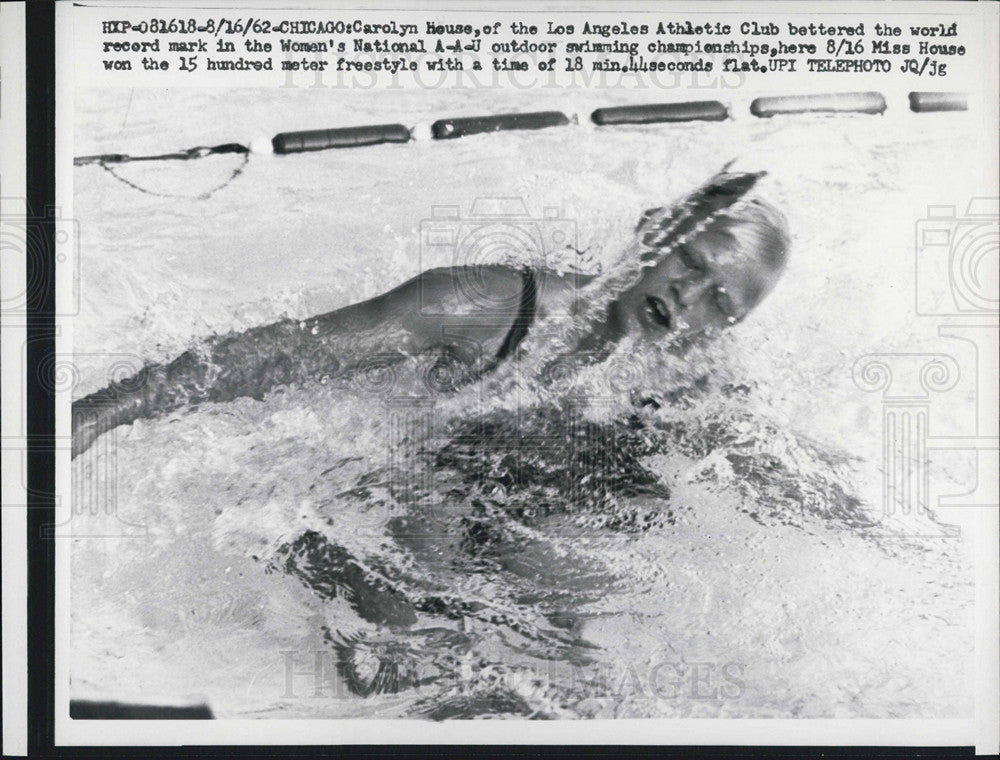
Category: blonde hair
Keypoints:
(722, 205)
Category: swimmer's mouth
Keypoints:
(657, 310)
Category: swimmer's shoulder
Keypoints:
(465, 291)
(560, 292)
(458, 290)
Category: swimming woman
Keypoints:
(701, 264)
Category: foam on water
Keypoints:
(538, 544)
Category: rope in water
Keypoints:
(107, 160)
(872, 103)
(122, 158)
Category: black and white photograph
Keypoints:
(647, 370)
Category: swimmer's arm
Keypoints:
(426, 312)
(418, 315)
(468, 311)
(430, 312)
(406, 321)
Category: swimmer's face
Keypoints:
(711, 281)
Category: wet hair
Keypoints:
(759, 232)
(723, 206)
(720, 206)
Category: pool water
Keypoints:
(535, 545)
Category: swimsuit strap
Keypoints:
(525, 314)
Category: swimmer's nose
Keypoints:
(691, 291)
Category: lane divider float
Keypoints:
(703, 110)
(346, 137)
(841, 102)
(448, 129)
(928, 102)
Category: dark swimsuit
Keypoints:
(446, 372)
(525, 315)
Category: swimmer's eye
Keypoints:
(690, 260)
(658, 311)
(724, 304)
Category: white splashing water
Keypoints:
(720, 599)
